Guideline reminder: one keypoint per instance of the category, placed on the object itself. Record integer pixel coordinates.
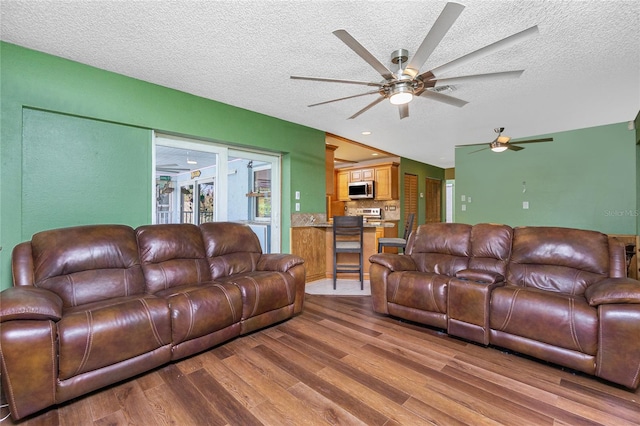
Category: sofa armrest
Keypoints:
(613, 291)
(394, 262)
(480, 276)
(29, 303)
(278, 262)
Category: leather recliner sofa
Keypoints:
(93, 305)
(556, 294)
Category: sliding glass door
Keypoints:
(198, 182)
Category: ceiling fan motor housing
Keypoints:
(399, 56)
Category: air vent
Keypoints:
(443, 89)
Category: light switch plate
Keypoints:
(525, 205)
(463, 207)
(297, 207)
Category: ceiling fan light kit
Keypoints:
(401, 87)
(401, 94)
(497, 146)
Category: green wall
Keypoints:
(71, 99)
(583, 179)
(423, 171)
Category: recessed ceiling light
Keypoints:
(374, 154)
(366, 133)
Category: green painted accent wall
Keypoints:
(80, 169)
(584, 179)
(67, 91)
(423, 171)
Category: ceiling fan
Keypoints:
(407, 82)
(501, 143)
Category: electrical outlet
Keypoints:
(525, 205)
(463, 207)
(297, 195)
(297, 207)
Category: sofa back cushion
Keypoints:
(441, 248)
(231, 248)
(558, 259)
(490, 247)
(87, 264)
(172, 255)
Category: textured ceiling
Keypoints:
(581, 70)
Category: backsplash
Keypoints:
(307, 219)
(390, 211)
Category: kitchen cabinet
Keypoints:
(360, 175)
(328, 168)
(342, 185)
(386, 178)
(309, 243)
(384, 175)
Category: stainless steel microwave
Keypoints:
(359, 190)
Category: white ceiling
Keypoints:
(582, 70)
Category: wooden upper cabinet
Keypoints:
(342, 185)
(360, 175)
(386, 178)
(384, 175)
(328, 168)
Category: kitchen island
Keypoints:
(314, 243)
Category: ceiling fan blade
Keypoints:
(534, 141)
(367, 108)
(363, 53)
(478, 77)
(346, 97)
(335, 80)
(404, 111)
(478, 150)
(494, 47)
(443, 98)
(435, 35)
(514, 147)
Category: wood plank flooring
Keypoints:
(339, 363)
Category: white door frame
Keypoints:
(224, 152)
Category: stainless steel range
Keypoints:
(370, 213)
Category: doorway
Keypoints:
(198, 182)
(433, 200)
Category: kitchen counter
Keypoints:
(371, 224)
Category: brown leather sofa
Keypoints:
(93, 305)
(557, 294)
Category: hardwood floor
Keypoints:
(339, 363)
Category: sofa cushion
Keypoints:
(263, 291)
(104, 333)
(231, 248)
(172, 255)
(419, 290)
(558, 259)
(558, 319)
(85, 264)
(490, 247)
(198, 310)
(441, 248)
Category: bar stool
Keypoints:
(348, 238)
(401, 243)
